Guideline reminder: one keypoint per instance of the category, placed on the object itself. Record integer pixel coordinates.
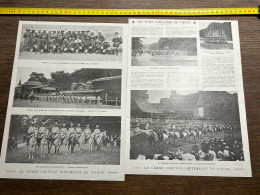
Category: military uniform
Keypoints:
(55, 132)
(117, 40)
(96, 132)
(87, 132)
(71, 131)
(31, 131)
(78, 131)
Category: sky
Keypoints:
(150, 40)
(154, 96)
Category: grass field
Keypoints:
(140, 145)
(69, 57)
(216, 46)
(148, 60)
(106, 156)
(43, 104)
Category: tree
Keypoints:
(34, 76)
(137, 43)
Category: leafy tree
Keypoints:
(34, 76)
(137, 43)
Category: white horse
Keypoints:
(99, 139)
(193, 134)
(44, 144)
(56, 143)
(65, 143)
(174, 136)
(31, 145)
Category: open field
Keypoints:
(43, 104)
(148, 60)
(216, 46)
(140, 144)
(106, 156)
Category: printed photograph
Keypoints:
(160, 51)
(185, 125)
(216, 36)
(70, 88)
(71, 42)
(92, 140)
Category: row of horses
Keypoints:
(43, 143)
(163, 137)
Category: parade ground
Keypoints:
(148, 60)
(186, 146)
(105, 156)
(69, 56)
(44, 104)
(215, 46)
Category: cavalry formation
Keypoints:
(62, 41)
(41, 140)
(227, 147)
(163, 137)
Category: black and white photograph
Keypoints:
(68, 88)
(185, 125)
(216, 36)
(164, 51)
(92, 140)
(71, 42)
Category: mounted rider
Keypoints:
(31, 131)
(71, 131)
(87, 132)
(63, 132)
(78, 131)
(96, 133)
(55, 131)
(42, 131)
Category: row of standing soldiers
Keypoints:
(83, 99)
(69, 42)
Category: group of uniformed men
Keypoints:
(63, 131)
(63, 41)
(84, 99)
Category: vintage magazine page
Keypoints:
(66, 109)
(186, 110)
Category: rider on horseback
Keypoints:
(78, 131)
(96, 133)
(63, 132)
(42, 131)
(87, 132)
(31, 132)
(55, 131)
(71, 131)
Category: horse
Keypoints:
(56, 142)
(44, 144)
(107, 141)
(99, 139)
(173, 136)
(90, 141)
(31, 145)
(193, 134)
(183, 136)
(153, 139)
(64, 143)
(163, 139)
